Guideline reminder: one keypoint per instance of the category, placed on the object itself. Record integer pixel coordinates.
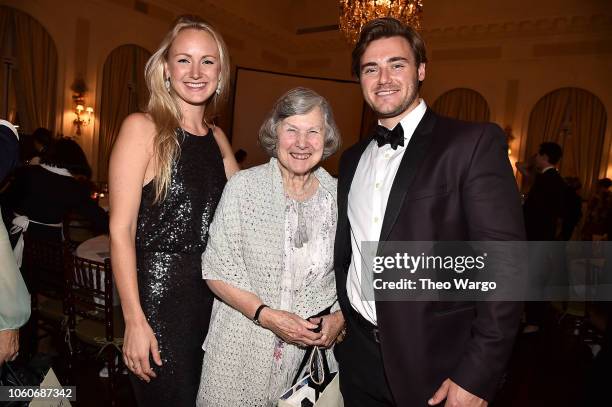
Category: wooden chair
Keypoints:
(77, 228)
(92, 319)
(43, 271)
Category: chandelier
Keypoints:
(355, 13)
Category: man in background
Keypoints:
(542, 211)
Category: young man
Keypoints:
(544, 204)
(542, 212)
(422, 177)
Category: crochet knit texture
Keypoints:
(245, 250)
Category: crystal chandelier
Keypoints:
(355, 13)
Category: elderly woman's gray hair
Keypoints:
(299, 101)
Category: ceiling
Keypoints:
(306, 26)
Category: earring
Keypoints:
(167, 84)
(218, 90)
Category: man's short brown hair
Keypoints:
(384, 28)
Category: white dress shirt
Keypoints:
(367, 202)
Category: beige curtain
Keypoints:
(587, 133)
(6, 51)
(462, 104)
(35, 74)
(123, 92)
(32, 90)
(576, 120)
(6, 26)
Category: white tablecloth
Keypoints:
(97, 249)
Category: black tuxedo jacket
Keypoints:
(9, 151)
(454, 183)
(544, 205)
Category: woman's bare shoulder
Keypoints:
(136, 134)
(143, 122)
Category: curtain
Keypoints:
(576, 120)
(462, 104)
(35, 74)
(6, 26)
(123, 92)
(587, 136)
(6, 52)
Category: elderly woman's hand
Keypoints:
(9, 345)
(290, 327)
(331, 326)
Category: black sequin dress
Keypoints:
(170, 239)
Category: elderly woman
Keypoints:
(269, 260)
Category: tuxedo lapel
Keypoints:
(411, 161)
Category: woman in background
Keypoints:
(167, 171)
(40, 196)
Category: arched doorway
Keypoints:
(462, 104)
(124, 91)
(28, 76)
(575, 119)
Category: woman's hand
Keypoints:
(9, 345)
(289, 327)
(331, 326)
(138, 341)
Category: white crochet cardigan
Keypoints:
(245, 250)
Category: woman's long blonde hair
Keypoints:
(163, 105)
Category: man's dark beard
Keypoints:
(402, 108)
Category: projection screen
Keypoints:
(255, 93)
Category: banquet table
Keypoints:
(98, 249)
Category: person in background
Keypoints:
(599, 211)
(270, 260)
(167, 172)
(42, 139)
(41, 196)
(14, 296)
(544, 205)
(240, 156)
(572, 211)
(542, 211)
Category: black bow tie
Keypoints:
(394, 137)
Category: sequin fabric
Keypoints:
(170, 239)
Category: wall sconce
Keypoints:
(509, 138)
(81, 119)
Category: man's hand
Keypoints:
(455, 396)
(331, 326)
(9, 345)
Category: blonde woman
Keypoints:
(167, 172)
